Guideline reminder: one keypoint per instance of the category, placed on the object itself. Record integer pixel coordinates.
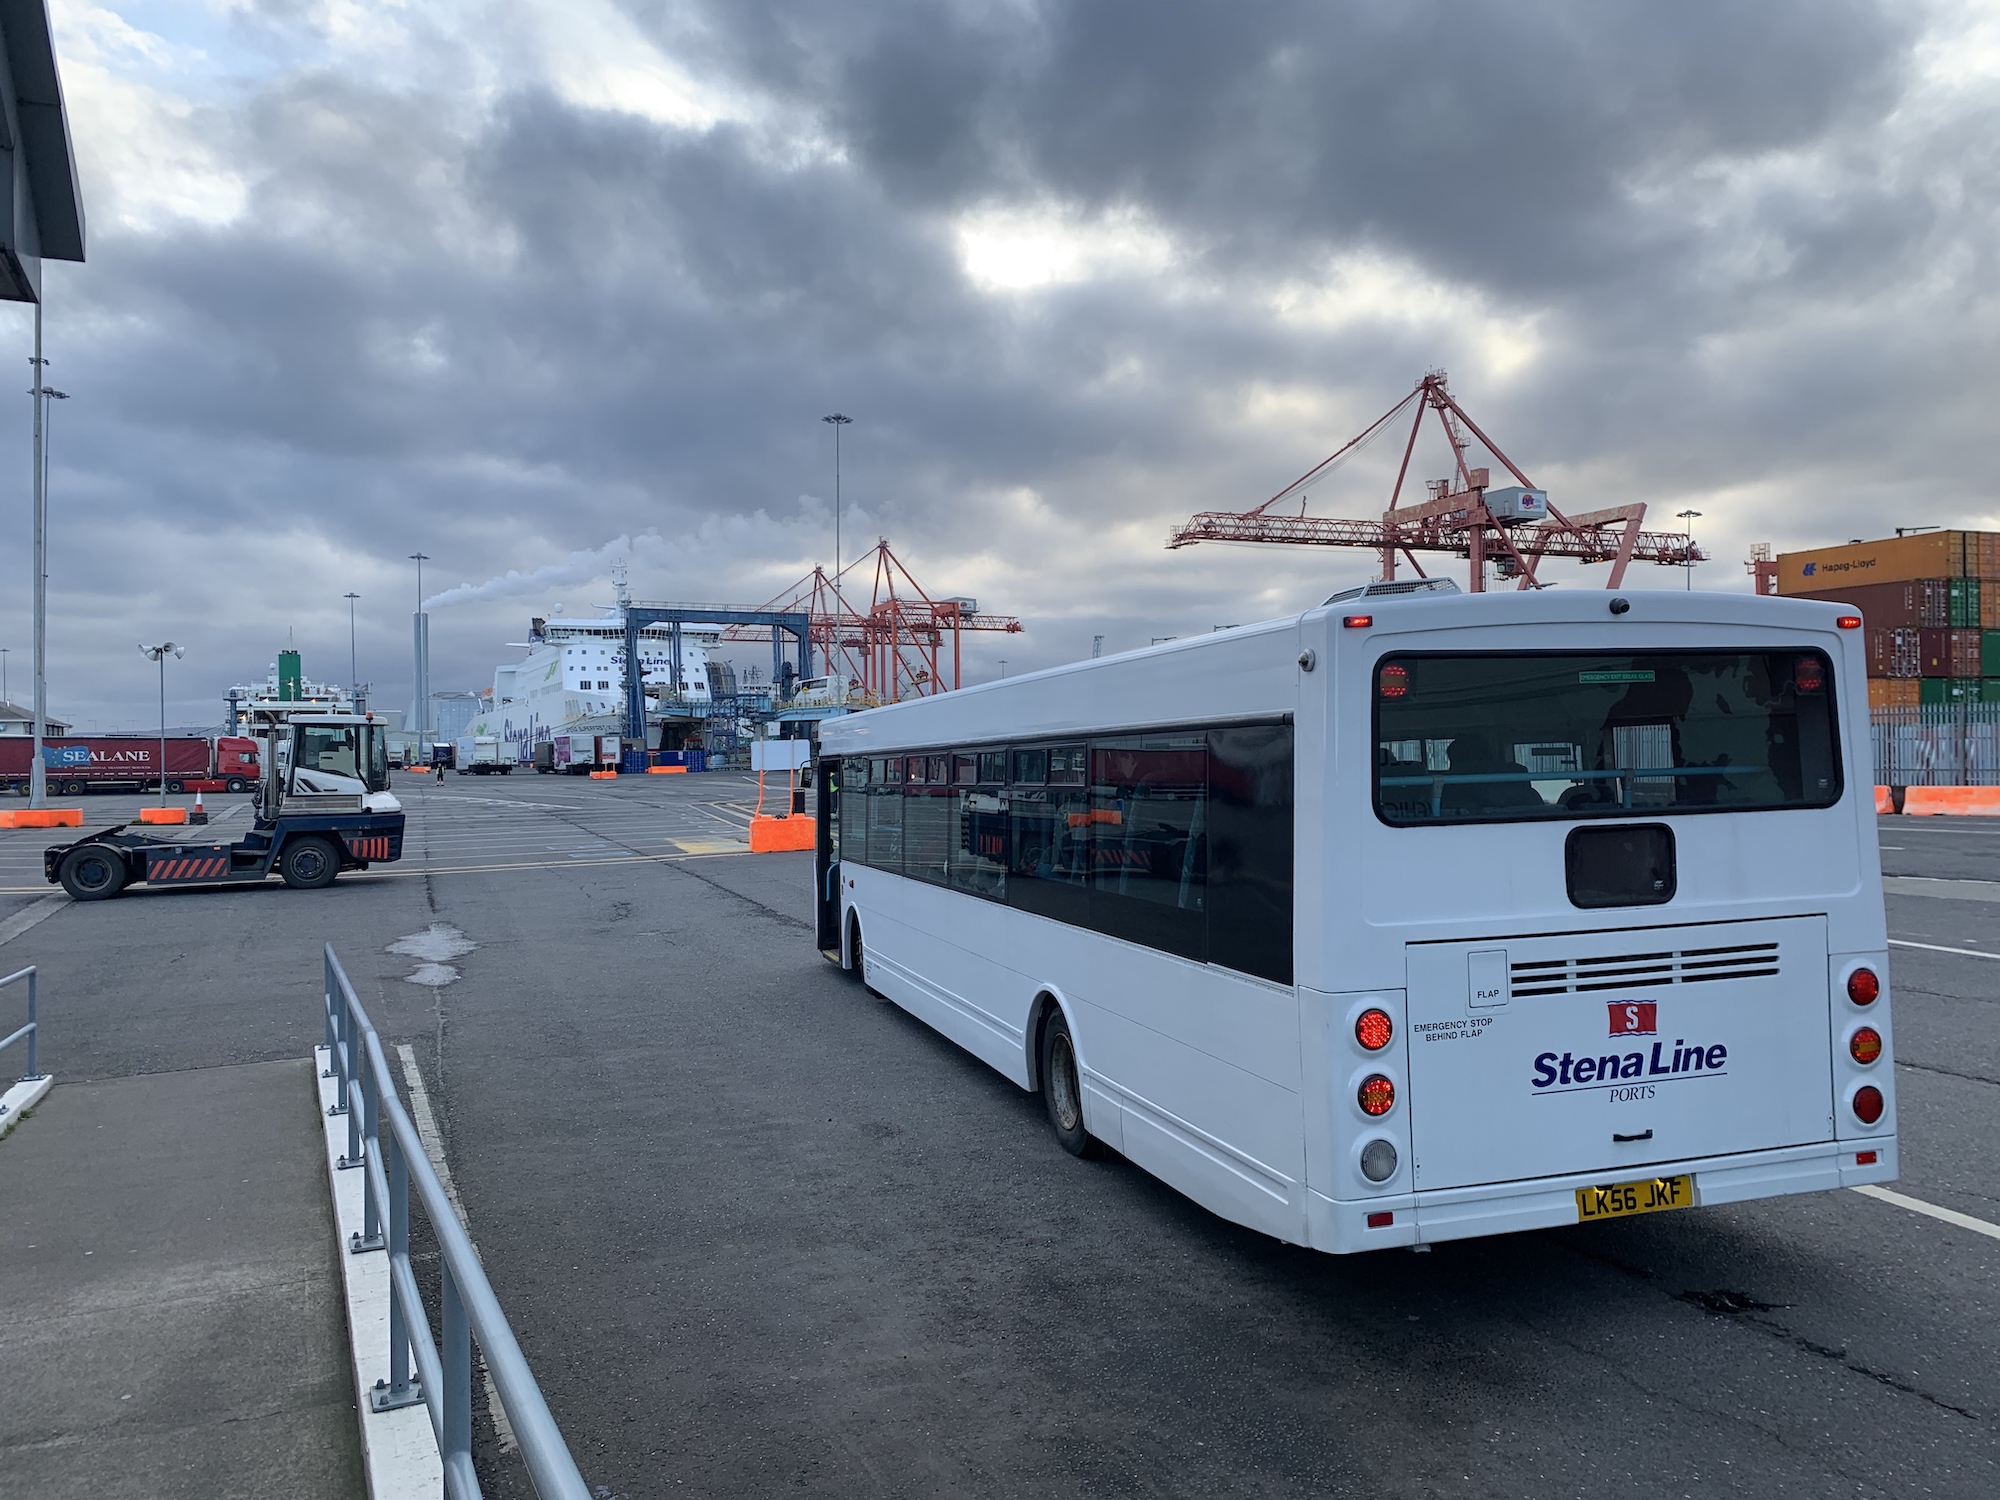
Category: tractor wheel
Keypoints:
(308, 864)
(93, 873)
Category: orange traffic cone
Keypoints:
(200, 814)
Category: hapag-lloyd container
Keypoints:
(1929, 554)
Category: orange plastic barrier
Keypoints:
(603, 775)
(163, 815)
(780, 835)
(666, 770)
(43, 817)
(1973, 801)
(1885, 802)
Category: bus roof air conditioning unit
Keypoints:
(1394, 590)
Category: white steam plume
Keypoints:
(578, 567)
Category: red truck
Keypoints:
(126, 763)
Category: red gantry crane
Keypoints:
(895, 647)
(1512, 528)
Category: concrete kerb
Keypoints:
(22, 1097)
(398, 1448)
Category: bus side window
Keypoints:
(1047, 841)
(1250, 850)
(1148, 833)
(927, 805)
(885, 815)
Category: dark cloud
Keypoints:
(1703, 250)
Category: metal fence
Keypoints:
(394, 1160)
(1942, 744)
(30, 1032)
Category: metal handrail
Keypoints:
(391, 1162)
(32, 1030)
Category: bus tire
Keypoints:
(93, 873)
(857, 956)
(308, 864)
(1062, 1087)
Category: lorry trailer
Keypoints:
(131, 763)
(323, 805)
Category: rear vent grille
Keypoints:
(1632, 971)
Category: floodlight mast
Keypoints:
(1456, 518)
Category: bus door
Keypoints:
(826, 859)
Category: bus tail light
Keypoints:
(1866, 1158)
(1377, 1095)
(1357, 622)
(1378, 1160)
(1373, 1029)
(1865, 1045)
(1380, 1220)
(1863, 987)
(1849, 622)
(1868, 1104)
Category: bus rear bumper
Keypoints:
(1342, 1227)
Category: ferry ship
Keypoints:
(573, 679)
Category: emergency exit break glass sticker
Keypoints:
(1614, 676)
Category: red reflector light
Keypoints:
(1864, 1158)
(1865, 1045)
(1377, 1095)
(1868, 1104)
(1358, 622)
(1373, 1028)
(1381, 1221)
(1809, 673)
(1849, 622)
(1863, 987)
(1394, 681)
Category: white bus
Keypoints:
(1418, 916)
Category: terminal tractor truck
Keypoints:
(322, 804)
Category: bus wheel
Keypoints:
(308, 864)
(92, 874)
(1062, 1087)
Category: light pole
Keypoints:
(1690, 516)
(836, 421)
(159, 654)
(420, 636)
(3, 676)
(1003, 669)
(353, 667)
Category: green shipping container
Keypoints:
(1964, 603)
(1989, 654)
(1989, 690)
(1949, 689)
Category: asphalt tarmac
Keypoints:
(761, 1232)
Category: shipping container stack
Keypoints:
(1929, 606)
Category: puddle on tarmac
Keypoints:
(434, 945)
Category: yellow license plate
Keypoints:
(1649, 1195)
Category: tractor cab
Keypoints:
(325, 763)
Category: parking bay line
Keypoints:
(1918, 1206)
(1940, 948)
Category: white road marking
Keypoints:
(1940, 948)
(1918, 1206)
(1954, 890)
(22, 920)
(427, 1132)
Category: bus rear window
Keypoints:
(1504, 737)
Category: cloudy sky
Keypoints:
(531, 286)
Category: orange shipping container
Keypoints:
(1893, 692)
(1989, 554)
(1896, 559)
